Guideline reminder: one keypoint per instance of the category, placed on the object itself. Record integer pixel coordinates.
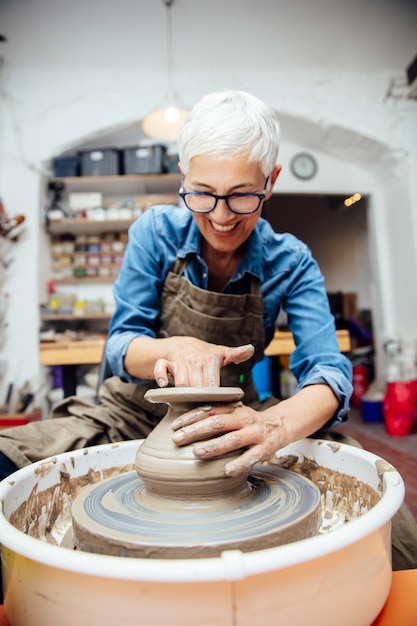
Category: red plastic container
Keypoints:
(400, 408)
(9, 420)
(360, 381)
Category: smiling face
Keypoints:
(225, 232)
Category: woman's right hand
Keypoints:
(196, 363)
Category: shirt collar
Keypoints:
(251, 262)
(192, 241)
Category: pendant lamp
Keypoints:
(165, 122)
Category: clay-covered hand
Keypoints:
(196, 363)
(258, 434)
(230, 427)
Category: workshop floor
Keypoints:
(401, 452)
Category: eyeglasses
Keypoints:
(205, 202)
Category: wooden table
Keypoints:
(283, 343)
(69, 354)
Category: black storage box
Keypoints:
(145, 160)
(101, 162)
(66, 166)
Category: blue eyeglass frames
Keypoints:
(205, 202)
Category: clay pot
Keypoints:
(182, 506)
(169, 470)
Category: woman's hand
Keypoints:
(196, 363)
(227, 428)
(183, 361)
(259, 435)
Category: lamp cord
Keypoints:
(168, 4)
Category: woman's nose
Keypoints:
(221, 211)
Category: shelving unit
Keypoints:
(100, 262)
(147, 189)
(68, 240)
(87, 257)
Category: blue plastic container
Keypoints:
(262, 377)
(372, 410)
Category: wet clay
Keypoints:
(46, 513)
(279, 507)
(343, 497)
(172, 471)
(179, 505)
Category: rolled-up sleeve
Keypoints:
(317, 358)
(136, 291)
(292, 280)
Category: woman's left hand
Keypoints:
(227, 428)
(257, 434)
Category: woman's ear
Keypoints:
(272, 179)
(275, 173)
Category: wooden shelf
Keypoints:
(148, 178)
(87, 253)
(125, 184)
(77, 226)
(74, 280)
(74, 266)
(57, 317)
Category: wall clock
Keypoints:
(304, 166)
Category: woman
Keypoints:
(197, 297)
(198, 280)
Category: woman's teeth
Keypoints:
(223, 229)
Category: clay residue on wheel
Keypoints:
(46, 514)
(343, 497)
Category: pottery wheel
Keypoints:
(177, 506)
(116, 517)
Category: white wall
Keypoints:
(74, 70)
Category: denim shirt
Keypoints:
(290, 279)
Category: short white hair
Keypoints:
(228, 124)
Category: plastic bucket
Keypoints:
(400, 408)
(372, 410)
(360, 381)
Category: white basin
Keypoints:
(341, 576)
